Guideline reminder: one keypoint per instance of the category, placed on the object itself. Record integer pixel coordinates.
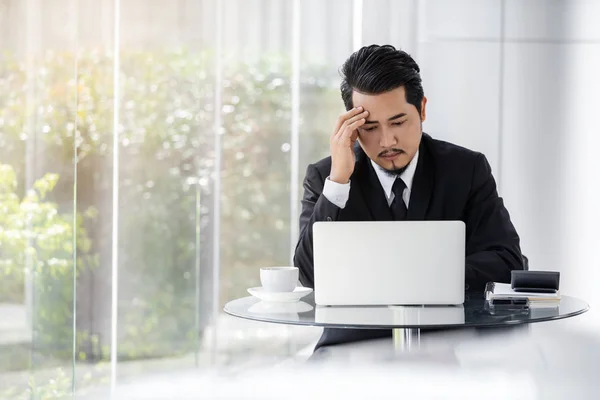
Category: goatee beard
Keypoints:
(395, 172)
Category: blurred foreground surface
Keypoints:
(540, 362)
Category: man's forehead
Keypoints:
(382, 106)
(391, 99)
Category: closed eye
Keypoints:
(372, 128)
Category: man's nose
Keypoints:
(387, 139)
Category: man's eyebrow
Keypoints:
(389, 119)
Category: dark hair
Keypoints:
(378, 69)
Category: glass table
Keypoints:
(405, 322)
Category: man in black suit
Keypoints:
(383, 167)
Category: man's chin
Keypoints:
(397, 171)
(392, 168)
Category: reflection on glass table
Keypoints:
(405, 322)
(289, 311)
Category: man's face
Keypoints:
(392, 133)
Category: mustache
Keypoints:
(390, 152)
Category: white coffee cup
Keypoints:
(279, 279)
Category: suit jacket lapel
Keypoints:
(422, 185)
(366, 181)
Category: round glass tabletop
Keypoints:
(473, 313)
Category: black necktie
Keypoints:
(398, 207)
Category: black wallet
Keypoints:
(535, 281)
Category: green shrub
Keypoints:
(36, 241)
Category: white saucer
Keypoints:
(281, 297)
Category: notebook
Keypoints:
(495, 290)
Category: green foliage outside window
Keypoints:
(166, 166)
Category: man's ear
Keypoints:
(423, 109)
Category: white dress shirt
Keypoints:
(338, 193)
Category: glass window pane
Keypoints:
(37, 227)
(165, 197)
(255, 173)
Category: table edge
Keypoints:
(443, 326)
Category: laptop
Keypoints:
(389, 262)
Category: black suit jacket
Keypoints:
(450, 183)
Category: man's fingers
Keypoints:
(344, 117)
(350, 130)
(348, 122)
(362, 115)
(354, 126)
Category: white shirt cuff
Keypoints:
(337, 193)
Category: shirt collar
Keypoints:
(387, 180)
